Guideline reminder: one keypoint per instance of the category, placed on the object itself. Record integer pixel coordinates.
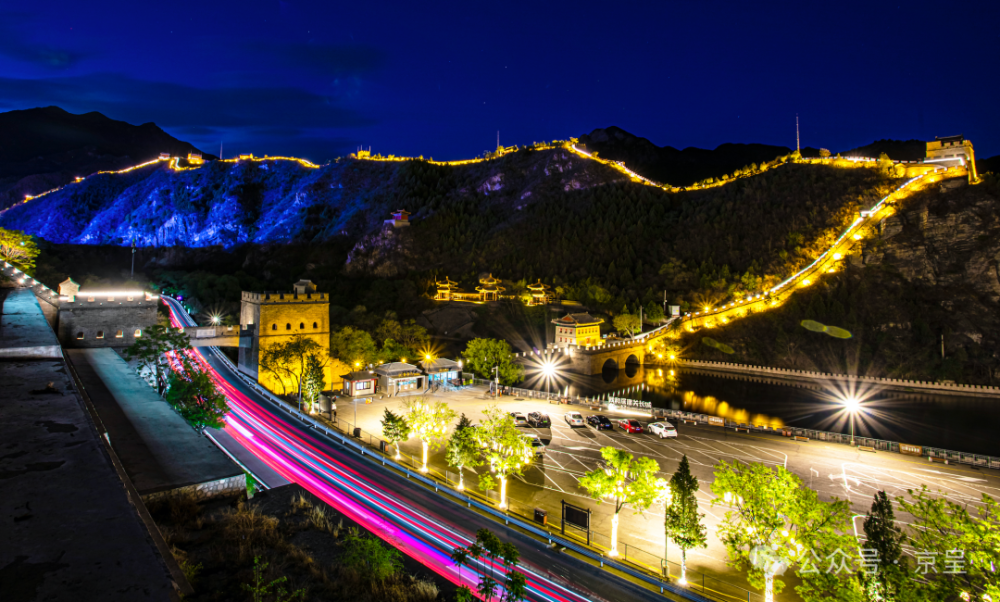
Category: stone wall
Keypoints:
(202, 491)
(103, 323)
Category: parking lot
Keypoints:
(830, 469)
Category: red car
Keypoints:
(630, 426)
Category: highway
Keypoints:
(422, 524)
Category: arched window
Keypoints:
(274, 327)
(288, 326)
(138, 332)
(100, 334)
(315, 325)
(302, 326)
(120, 334)
(79, 336)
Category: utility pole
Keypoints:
(132, 275)
(664, 304)
(498, 139)
(942, 346)
(220, 150)
(797, 147)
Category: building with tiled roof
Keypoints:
(578, 329)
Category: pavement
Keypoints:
(24, 331)
(68, 531)
(159, 450)
(830, 469)
(245, 459)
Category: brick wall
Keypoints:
(98, 323)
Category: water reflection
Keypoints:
(956, 423)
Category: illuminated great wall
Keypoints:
(921, 176)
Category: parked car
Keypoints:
(539, 420)
(662, 429)
(574, 419)
(519, 419)
(536, 445)
(630, 426)
(600, 422)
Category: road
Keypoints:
(830, 469)
(422, 524)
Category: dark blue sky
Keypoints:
(318, 78)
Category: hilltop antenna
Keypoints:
(220, 150)
(498, 139)
(798, 148)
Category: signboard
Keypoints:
(911, 450)
(204, 333)
(716, 421)
(575, 516)
(675, 310)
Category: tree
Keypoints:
(463, 450)
(624, 480)
(883, 536)
(503, 446)
(483, 355)
(152, 349)
(774, 521)
(290, 359)
(429, 422)
(486, 551)
(353, 347)
(682, 522)
(19, 250)
(314, 378)
(192, 393)
(394, 429)
(368, 556)
(654, 312)
(627, 323)
(945, 533)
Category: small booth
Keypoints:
(399, 377)
(359, 384)
(443, 371)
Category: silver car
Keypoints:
(574, 419)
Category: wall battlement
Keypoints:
(272, 297)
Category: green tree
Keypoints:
(627, 323)
(773, 521)
(192, 393)
(429, 422)
(314, 379)
(291, 358)
(504, 448)
(682, 522)
(395, 429)
(887, 539)
(483, 355)
(151, 352)
(943, 530)
(463, 449)
(19, 250)
(624, 480)
(353, 347)
(653, 312)
(493, 557)
(262, 592)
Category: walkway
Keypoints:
(159, 450)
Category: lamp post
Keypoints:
(851, 404)
(549, 370)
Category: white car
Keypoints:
(574, 419)
(537, 447)
(519, 419)
(662, 429)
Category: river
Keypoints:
(956, 423)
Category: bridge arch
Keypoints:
(632, 359)
(609, 364)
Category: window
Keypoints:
(91, 299)
(100, 334)
(110, 298)
(79, 336)
(302, 326)
(120, 334)
(288, 326)
(130, 298)
(138, 332)
(274, 327)
(315, 325)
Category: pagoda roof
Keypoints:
(581, 319)
(446, 283)
(539, 286)
(490, 280)
(441, 364)
(359, 375)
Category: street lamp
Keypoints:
(851, 404)
(549, 370)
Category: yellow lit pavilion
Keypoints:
(445, 289)
(541, 294)
(489, 289)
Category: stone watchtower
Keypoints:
(276, 317)
(103, 318)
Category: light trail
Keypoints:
(304, 458)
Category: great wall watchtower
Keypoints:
(276, 317)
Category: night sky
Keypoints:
(318, 78)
